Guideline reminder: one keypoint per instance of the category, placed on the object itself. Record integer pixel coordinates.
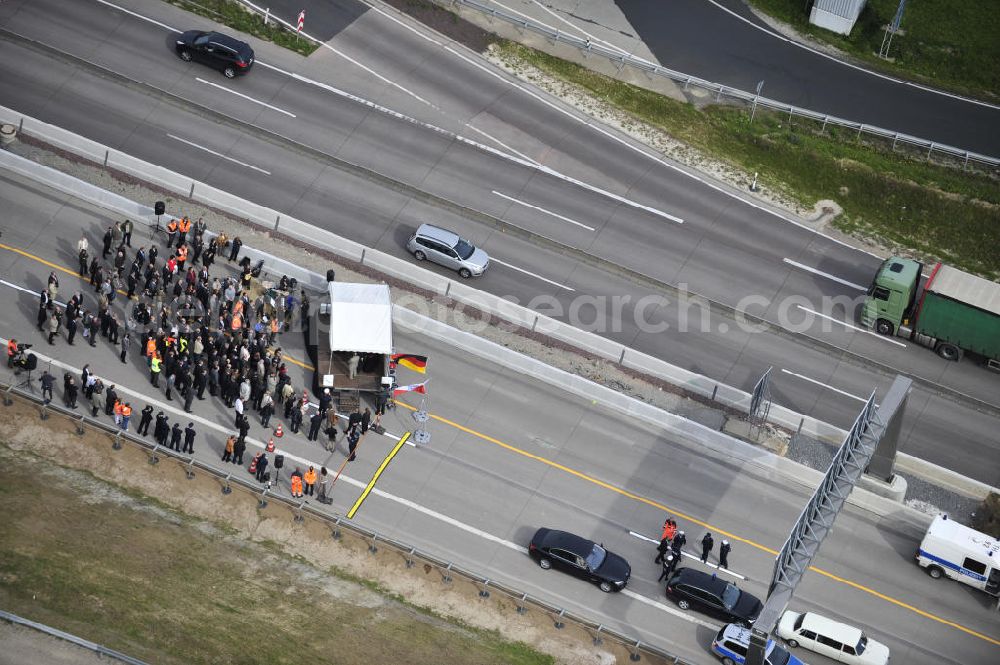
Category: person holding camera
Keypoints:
(11, 351)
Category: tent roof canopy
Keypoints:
(360, 318)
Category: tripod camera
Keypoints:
(24, 361)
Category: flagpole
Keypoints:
(420, 416)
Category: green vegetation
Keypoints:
(936, 210)
(123, 571)
(238, 17)
(953, 44)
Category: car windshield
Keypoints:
(778, 656)
(464, 249)
(862, 643)
(596, 557)
(730, 596)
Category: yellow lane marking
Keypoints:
(596, 481)
(709, 527)
(378, 472)
(67, 271)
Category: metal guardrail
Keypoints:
(99, 649)
(651, 68)
(447, 570)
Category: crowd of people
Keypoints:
(196, 333)
(671, 547)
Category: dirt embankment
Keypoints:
(135, 556)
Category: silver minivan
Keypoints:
(448, 249)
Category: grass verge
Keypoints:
(236, 16)
(951, 44)
(897, 198)
(111, 566)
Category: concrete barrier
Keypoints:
(600, 346)
(313, 235)
(405, 270)
(165, 178)
(469, 295)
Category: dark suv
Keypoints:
(708, 593)
(230, 56)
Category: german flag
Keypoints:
(410, 361)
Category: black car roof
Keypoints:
(700, 579)
(231, 42)
(567, 541)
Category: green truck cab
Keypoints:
(953, 313)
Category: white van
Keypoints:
(956, 551)
(836, 640)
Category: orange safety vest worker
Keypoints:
(182, 254)
(12, 348)
(296, 486)
(185, 225)
(310, 477)
(150, 346)
(118, 407)
(237, 322)
(172, 226)
(126, 411)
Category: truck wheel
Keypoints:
(883, 327)
(949, 352)
(935, 572)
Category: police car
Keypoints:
(732, 642)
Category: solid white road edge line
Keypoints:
(852, 327)
(246, 97)
(824, 385)
(814, 271)
(218, 154)
(540, 209)
(493, 259)
(525, 161)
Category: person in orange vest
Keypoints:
(171, 232)
(296, 484)
(182, 256)
(150, 348)
(11, 352)
(183, 227)
(117, 410)
(126, 415)
(310, 480)
(669, 529)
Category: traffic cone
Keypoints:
(278, 432)
(270, 445)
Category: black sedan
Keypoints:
(581, 557)
(230, 56)
(710, 594)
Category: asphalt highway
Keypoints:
(509, 454)
(724, 248)
(724, 42)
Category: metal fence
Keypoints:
(99, 649)
(448, 571)
(897, 140)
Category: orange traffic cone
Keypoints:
(278, 432)
(270, 445)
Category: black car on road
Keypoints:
(709, 593)
(581, 557)
(230, 56)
